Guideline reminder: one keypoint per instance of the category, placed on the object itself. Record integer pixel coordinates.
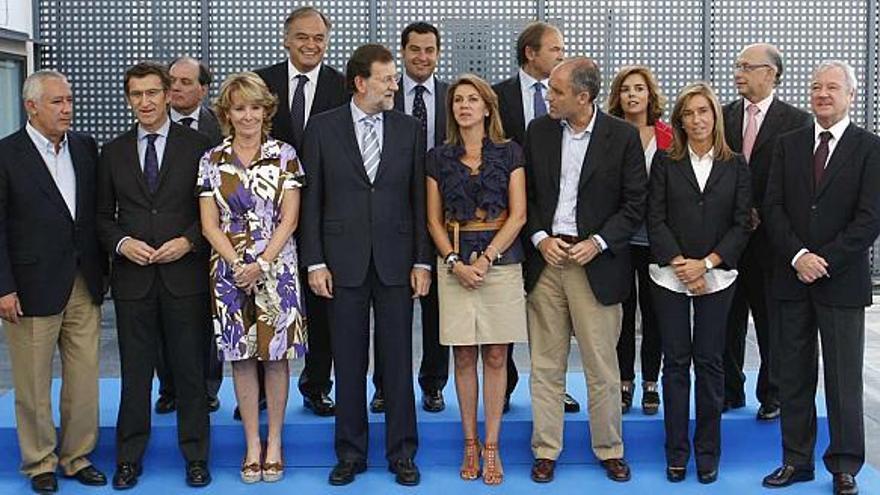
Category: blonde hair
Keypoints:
(492, 123)
(656, 99)
(251, 88)
(679, 147)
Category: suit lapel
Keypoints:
(389, 128)
(133, 162)
(514, 95)
(171, 143)
(771, 125)
(686, 169)
(351, 145)
(399, 104)
(31, 157)
(847, 145)
(77, 157)
(321, 95)
(283, 85)
(735, 130)
(439, 112)
(719, 168)
(598, 143)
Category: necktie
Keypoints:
(370, 149)
(820, 158)
(187, 121)
(751, 130)
(420, 111)
(298, 110)
(539, 105)
(151, 163)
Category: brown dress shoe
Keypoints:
(616, 469)
(542, 470)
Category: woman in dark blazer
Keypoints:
(698, 213)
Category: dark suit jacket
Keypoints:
(682, 220)
(42, 248)
(210, 126)
(511, 108)
(440, 90)
(126, 208)
(839, 221)
(346, 220)
(330, 93)
(611, 197)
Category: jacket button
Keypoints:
(154, 212)
(372, 189)
(700, 202)
(813, 207)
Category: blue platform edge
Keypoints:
(750, 450)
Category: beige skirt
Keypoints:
(493, 314)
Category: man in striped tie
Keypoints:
(365, 243)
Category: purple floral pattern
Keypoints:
(269, 324)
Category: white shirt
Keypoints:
(59, 165)
(309, 90)
(716, 279)
(177, 117)
(428, 96)
(159, 143)
(763, 107)
(836, 131)
(526, 85)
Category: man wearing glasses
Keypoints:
(751, 125)
(148, 218)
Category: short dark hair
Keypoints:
(305, 12)
(585, 76)
(361, 62)
(148, 68)
(420, 28)
(530, 37)
(205, 76)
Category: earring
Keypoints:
(486, 114)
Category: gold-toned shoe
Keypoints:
(273, 471)
(251, 473)
(493, 473)
(470, 465)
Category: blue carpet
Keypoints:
(750, 450)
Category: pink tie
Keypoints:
(751, 130)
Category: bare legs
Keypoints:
(244, 375)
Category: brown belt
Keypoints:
(570, 239)
(454, 227)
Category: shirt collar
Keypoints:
(176, 116)
(697, 158)
(585, 132)
(763, 105)
(526, 81)
(42, 142)
(409, 84)
(162, 131)
(292, 72)
(836, 130)
(357, 114)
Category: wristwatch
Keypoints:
(451, 259)
(265, 266)
(708, 264)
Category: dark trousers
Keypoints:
(626, 346)
(751, 295)
(842, 330)
(704, 345)
(434, 370)
(213, 368)
(182, 323)
(349, 312)
(315, 376)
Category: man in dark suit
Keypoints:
(423, 96)
(752, 124)
(189, 87)
(365, 243)
(823, 213)
(51, 282)
(521, 99)
(586, 185)
(149, 218)
(305, 87)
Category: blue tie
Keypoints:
(151, 163)
(420, 111)
(298, 111)
(539, 105)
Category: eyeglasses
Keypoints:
(151, 94)
(747, 67)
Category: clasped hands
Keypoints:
(556, 251)
(141, 253)
(811, 267)
(691, 273)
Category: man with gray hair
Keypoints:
(51, 282)
(586, 185)
(751, 126)
(823, 214)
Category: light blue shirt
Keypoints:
(60, 166)
(360, 128)
(409, 96)
(160, 142)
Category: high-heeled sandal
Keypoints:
(493, 473)
(470, 465)
(273, 471)
(250, 473)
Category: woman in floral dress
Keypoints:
(249, 198)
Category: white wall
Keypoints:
(17, 15)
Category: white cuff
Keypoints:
(119, 244)
(319, 266)
(602, 244)
(539, 236)
(422, 266)
(800, 253)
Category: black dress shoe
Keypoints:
(571, 405)
(786, 475)
(405, 471)
(44, 483)
(214, 404)
(733, 404)
(126, 475)
(197, 474)
(506, 408)
(706, 477)
(165, 404)
(321, 404)
(377, 403)
(845, 484)
(344, 471)
(676, 474)
(261, 405)
(626, 398)
(89, 476)
(433, 401)
(768, 412)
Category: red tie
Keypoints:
(820, 157)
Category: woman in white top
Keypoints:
(698, 215)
